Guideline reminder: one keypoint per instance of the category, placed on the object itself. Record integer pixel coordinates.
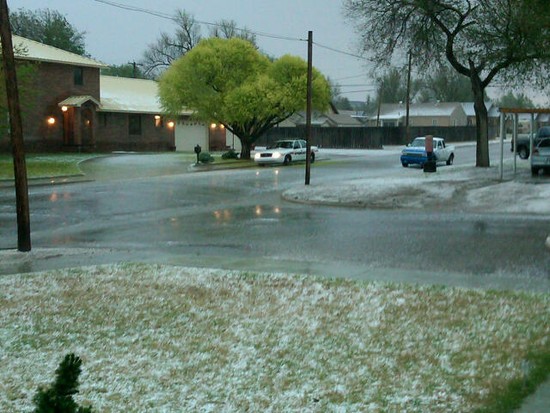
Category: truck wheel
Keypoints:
(534, 171)
(405, 164)
(451, 159)
(287, 160)
(523, 152)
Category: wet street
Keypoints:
(156, 211)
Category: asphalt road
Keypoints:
(149, 208)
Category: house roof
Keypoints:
(343, 119)
(26, 49)
(470, 110)
(78, 101)
(122, 94)
(398, 110)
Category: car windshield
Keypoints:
(281, 144)
(418, 143)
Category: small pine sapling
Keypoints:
(58, 397)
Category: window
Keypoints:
(78, 75)
(134, 124)
(434, 122)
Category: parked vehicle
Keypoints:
(524, 144)
(285, 152)
(415, 152)
(541, 151)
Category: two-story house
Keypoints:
(72, 107)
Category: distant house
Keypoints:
(73, 107)
(492, 113)
(420, 114)
(331, 118)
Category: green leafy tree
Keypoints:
(228, 81)
(49, 27)
(339, 101)
(510, 100)
(446, 85)
(25, 74)
(392, 87)
(480, 39)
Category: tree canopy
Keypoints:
(511, 100)
(228, 81)
(25, 74)
(480, 39)
(49, 27)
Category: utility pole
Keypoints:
(16, 129)
(407, 128)
(308, 104)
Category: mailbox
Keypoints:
(198, 150)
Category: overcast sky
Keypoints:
(117, 36)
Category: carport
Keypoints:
(515, 112)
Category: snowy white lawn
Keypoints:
(167, 339)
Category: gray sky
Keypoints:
(117, 36)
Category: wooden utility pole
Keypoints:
(407, 127)
(308, 104)
(16, 129)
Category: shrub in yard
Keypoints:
(230, 154)
(58, 398)
(205, 157)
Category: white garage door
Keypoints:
(189, 134)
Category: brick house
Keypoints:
(73, 107)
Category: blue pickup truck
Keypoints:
(415, 152)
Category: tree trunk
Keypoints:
(482, 123)
(245, 148)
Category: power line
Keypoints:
(170, 17)
(256, 33)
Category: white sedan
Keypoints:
(285, 152)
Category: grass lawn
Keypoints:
(169, 339)
(45, 165)
(55, 165)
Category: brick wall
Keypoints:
(53, 83)
(112, 133)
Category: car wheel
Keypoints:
(451, 159)
(312, 158)
(534, 171)
(405, 164)
(287, 160)
(523, 152)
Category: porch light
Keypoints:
(64, 108)
(171, 124)
(51, 120)
(213, 126)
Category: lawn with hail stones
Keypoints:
(161, 338)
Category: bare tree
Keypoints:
(481, 39)
(227, 29)
(168, 48)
